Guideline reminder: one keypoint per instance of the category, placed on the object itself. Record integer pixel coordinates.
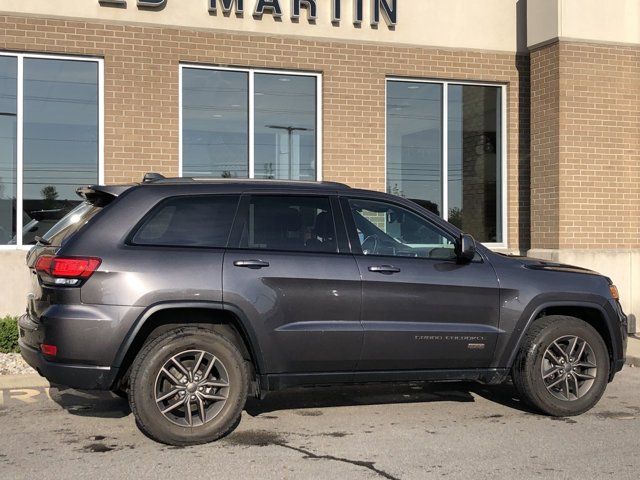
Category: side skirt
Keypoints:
(274, 382)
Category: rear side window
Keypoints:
(289, 223)
(196, 221)
(70, 223)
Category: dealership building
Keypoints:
(516, 120)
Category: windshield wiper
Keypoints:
(41, 240)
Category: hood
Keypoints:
(538, 264)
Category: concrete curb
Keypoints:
(633, 351)
(22, 381)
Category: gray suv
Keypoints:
(188, 295)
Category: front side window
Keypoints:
(199, 221)
(289, 223)
(249, 124)
(444, 150)
(59, 115)
(385, 229)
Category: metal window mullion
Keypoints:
(19, 150)
(503, 164)
(319, 134)
(445, 151)
(180, 120)
(100, 122)
(251, 124)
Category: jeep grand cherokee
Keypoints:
(188, 295)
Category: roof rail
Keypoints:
(151, 177)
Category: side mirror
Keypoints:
(466, 248)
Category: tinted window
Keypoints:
(59, 231)
(203, 221)
(303, 224)
(389, 230)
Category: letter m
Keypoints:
(227, 5)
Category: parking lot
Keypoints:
(394, 432)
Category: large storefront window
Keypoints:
(444, 150)
(249, 124)
(8, 147)
(49, 107)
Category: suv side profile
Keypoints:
(188, 295)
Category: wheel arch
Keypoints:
(160, 318)
(592, 313)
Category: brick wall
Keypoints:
(545, 138)
(585, 146)
(141, 92)
(600, 146)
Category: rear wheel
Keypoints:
(562, 368)
(188, 386)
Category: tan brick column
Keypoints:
(585, 159)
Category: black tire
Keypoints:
(146, 368)
(527, 368)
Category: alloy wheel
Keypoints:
(191, 388)
(569, 368)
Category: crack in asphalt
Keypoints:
(358, 463)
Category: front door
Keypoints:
(286, 272)
(421, 309)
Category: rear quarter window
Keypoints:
(189, 221)
(71, 223)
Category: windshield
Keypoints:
(71, 223)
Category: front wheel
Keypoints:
(188, 386)
(562, 368)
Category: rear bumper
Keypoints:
(84, 377)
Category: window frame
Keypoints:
(504, 222)
(251, 72)
(20, 57)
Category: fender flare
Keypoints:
(246, 330)
(560, 303)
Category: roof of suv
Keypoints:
(154, 179)
(244, 182)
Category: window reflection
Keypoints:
(215, 122)
(415, 152)
(285, 127)
(8, 110)
(60, 139)
(414, 142)
(475, 160)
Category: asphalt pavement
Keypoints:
(422, 431)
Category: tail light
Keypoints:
(50, 350)
(67, 270)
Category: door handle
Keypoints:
(384, 269)
(251, 263)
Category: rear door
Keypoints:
(289, 273)
(421, 309)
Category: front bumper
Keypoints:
(84, 377)
(621, 335)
